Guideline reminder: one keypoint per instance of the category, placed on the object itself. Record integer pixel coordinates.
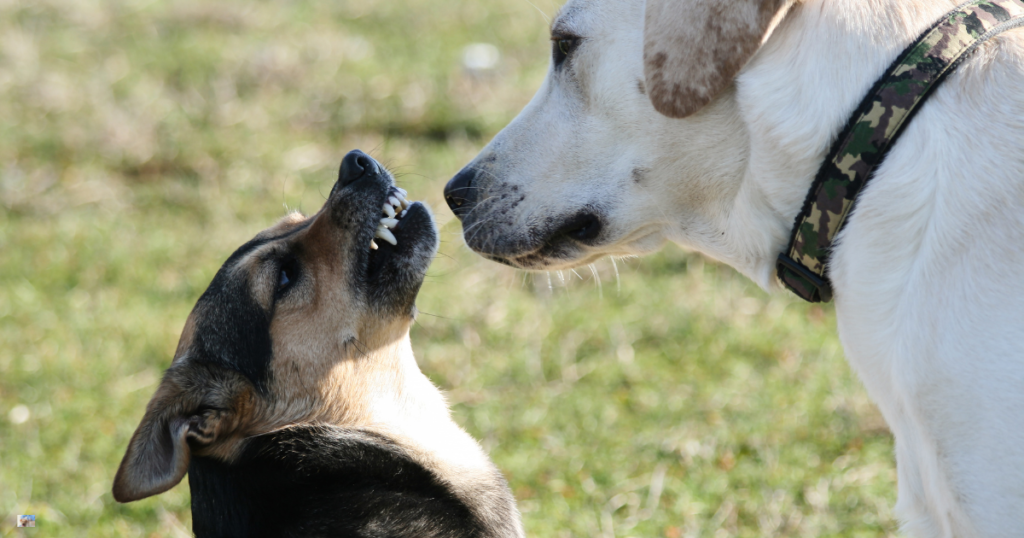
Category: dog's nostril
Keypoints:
(354, 166)
(459, 192)
(585, 227)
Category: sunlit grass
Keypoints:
(141, 141)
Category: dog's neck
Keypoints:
(382, 389)
(379, 388)
(791, 108)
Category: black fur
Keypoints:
(314, 481)
(232, 329)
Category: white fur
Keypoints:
(929, 271)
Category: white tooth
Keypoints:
(402, 214)
(386, 235)
(389, 223)
(373, 245)
(389, 211)
(394, 201)
(403, 191)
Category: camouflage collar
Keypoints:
(872, 130)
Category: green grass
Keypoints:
(141, 141)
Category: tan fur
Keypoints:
(335, 360)
(686, 65)
(285, 223)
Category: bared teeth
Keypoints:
(397, 199)
(386, 235)
(394, 208)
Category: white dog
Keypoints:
(928, 274)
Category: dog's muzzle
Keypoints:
(486, 209)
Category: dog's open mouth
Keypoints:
(390, 239)
(403, 233)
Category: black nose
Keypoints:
(584, 227)
(354, 166)
(460, 193)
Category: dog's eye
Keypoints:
(562, 48)
(288, 274)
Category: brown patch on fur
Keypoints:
(693, 49)
(638, 174)
(187, 335)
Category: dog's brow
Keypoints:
(563, 23)
(254, 244)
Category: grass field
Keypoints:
(142, 140)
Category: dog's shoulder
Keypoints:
(318, 480)
(314, 452)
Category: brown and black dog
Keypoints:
(294, 401)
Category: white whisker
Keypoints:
(542, 14)
(618, 282)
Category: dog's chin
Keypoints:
(561, 254)
(565, 253)
(394, 273)
(578, 237)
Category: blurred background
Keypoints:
(141, 141)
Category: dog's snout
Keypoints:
(460, 192)
(354, 166)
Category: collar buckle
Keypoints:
(802, 281)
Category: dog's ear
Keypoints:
(159, 452)
(694, 48)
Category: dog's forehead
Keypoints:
(286, 228)
(288, 223)
(229, 326)
(575, 17)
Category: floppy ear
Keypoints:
(158, 454)
(694, 48)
